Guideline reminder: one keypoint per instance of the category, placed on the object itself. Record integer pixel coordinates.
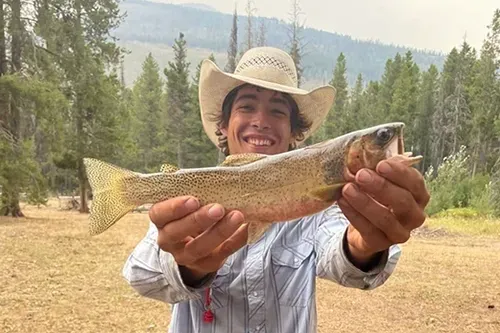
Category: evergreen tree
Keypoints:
(232, 52)
(294, 33)
(149, 113)
(178, 99)
(200, 151)
(357, 119)
(334, 124)
(426, 106)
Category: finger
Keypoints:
(192, 225)
(214, 236)
(372, 237)
(173, 209)
(398, 199)
(406, 177)
(227, 248)
(175, 248)
(377, 214)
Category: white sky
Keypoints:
(425, 24)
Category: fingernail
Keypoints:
(236, 219)
(384, 167)
(191, 204)
(216, 211)
(350, 190)
(364, 177)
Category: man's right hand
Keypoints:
(199, 238)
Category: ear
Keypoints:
(224, 131)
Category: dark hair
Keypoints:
(298, 122)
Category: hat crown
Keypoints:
(268, 64)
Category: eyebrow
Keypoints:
(280, 101)
(273, 99)
(249, 96)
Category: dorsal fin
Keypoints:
(168, 168)
(242, 159)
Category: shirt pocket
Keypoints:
(294, 273)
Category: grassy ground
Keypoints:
(57, 279)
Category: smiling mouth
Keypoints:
(259, 142)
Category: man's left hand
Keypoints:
(383, 207)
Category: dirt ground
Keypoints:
(55, 278)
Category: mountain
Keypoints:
(153, 26)
(201, 6)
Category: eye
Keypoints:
(384, 135)
(245, 107)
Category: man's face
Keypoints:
(259, 122)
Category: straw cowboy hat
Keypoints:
(266, 67)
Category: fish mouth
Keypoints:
(395, 146)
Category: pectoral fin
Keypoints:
(256, 230)
(328, 192)
(242, 159)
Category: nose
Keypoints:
(260, 120)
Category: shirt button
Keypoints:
(255, 293)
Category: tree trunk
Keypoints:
(10, 205)
(83, 187)
(10, 197)
(3, 53)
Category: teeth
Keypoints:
(259, 142)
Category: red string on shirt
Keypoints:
(208, 315)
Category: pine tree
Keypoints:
(294, 33)
(404, 99)
(426, 106)
(200, 151)
(334, 124)
(357, 118)
(178, 97)
(149, 113)
(261, 38)
(232, 52)
(250, 10)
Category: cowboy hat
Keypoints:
(266, 67)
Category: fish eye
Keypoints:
(384, 135)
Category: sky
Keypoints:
(437, 25)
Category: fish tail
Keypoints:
(110, 200)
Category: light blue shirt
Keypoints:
(268, 286)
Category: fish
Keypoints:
(265, 188)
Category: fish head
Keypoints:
(366, 148)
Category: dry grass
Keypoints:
(57, 279)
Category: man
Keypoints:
(196, 258)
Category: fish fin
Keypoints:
(256, 230)
(110, 201)
(168, 168)
(328, 192)
(242, 159)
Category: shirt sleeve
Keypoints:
(332, 262)
(154, 273)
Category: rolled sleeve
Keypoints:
(154, 273)
(332, 261)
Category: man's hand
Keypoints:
(383, 207)
(199, 238)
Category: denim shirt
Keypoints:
(268, 286)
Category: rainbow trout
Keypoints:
(265, 188)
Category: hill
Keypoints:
(152, 27)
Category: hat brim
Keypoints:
(215, 84)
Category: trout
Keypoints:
(265, 188)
